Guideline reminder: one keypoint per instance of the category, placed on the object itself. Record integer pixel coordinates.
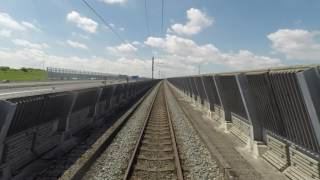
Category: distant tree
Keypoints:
(24, 69)
(4, 68)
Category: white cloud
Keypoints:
(186, 51)
(25, 57)
(30, 26)
(139, 44)
(75, 44)
(28, 44)
(296, 43)
(136, 43)
(245, 59)
(113, 26)
(122, 49)
(197, 21)
(82, 22)
(5, 33)
(18, 58)
(175, 62)
(121, 2)
(82, 36)
(8, 22)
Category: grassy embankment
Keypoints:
(23, 74)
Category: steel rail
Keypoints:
(131, 162)
(174, 143)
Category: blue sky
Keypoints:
(220, 35)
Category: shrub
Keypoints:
(4, 68)
(24, 69)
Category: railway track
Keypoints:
(155, 155)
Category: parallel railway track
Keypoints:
(155, 155)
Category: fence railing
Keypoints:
(70, 74)
(278, 107)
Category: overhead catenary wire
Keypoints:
(105, 22)
(162, 16)
(146, 17)
(112, 29)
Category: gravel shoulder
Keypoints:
(196, 159)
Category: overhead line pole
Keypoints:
(152, 66)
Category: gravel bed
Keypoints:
(196, 160)
(113, 162)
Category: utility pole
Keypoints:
(199, 70)
(43, 65)
(152, 65)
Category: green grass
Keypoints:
(19, 75)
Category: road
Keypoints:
(15, 90)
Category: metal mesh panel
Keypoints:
(266, 107)
(189, 85)
(56, 106)
(215, 92)
(231, 95)
(85, 99)
(27, 113)
(201, 91)
(106, 93)
(211, 91)
(293, 110)
(69, 74)
(194, 87)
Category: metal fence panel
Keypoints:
(266, 107)
(293, 110)
(231, 96)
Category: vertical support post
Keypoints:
(64, 123)
(226, 111)
(8, 110)
(309, 82)
(152, 66)
(250, 107)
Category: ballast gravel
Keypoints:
(196, 160)
(113, 162)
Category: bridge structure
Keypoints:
(258, 124)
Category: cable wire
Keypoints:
(108, 25)
(162, 14)
(146, 17)
(104, 21)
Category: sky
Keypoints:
(206, 35)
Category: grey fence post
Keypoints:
(250, 107)
(309, 82)
(227, 113)
(6, 116)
